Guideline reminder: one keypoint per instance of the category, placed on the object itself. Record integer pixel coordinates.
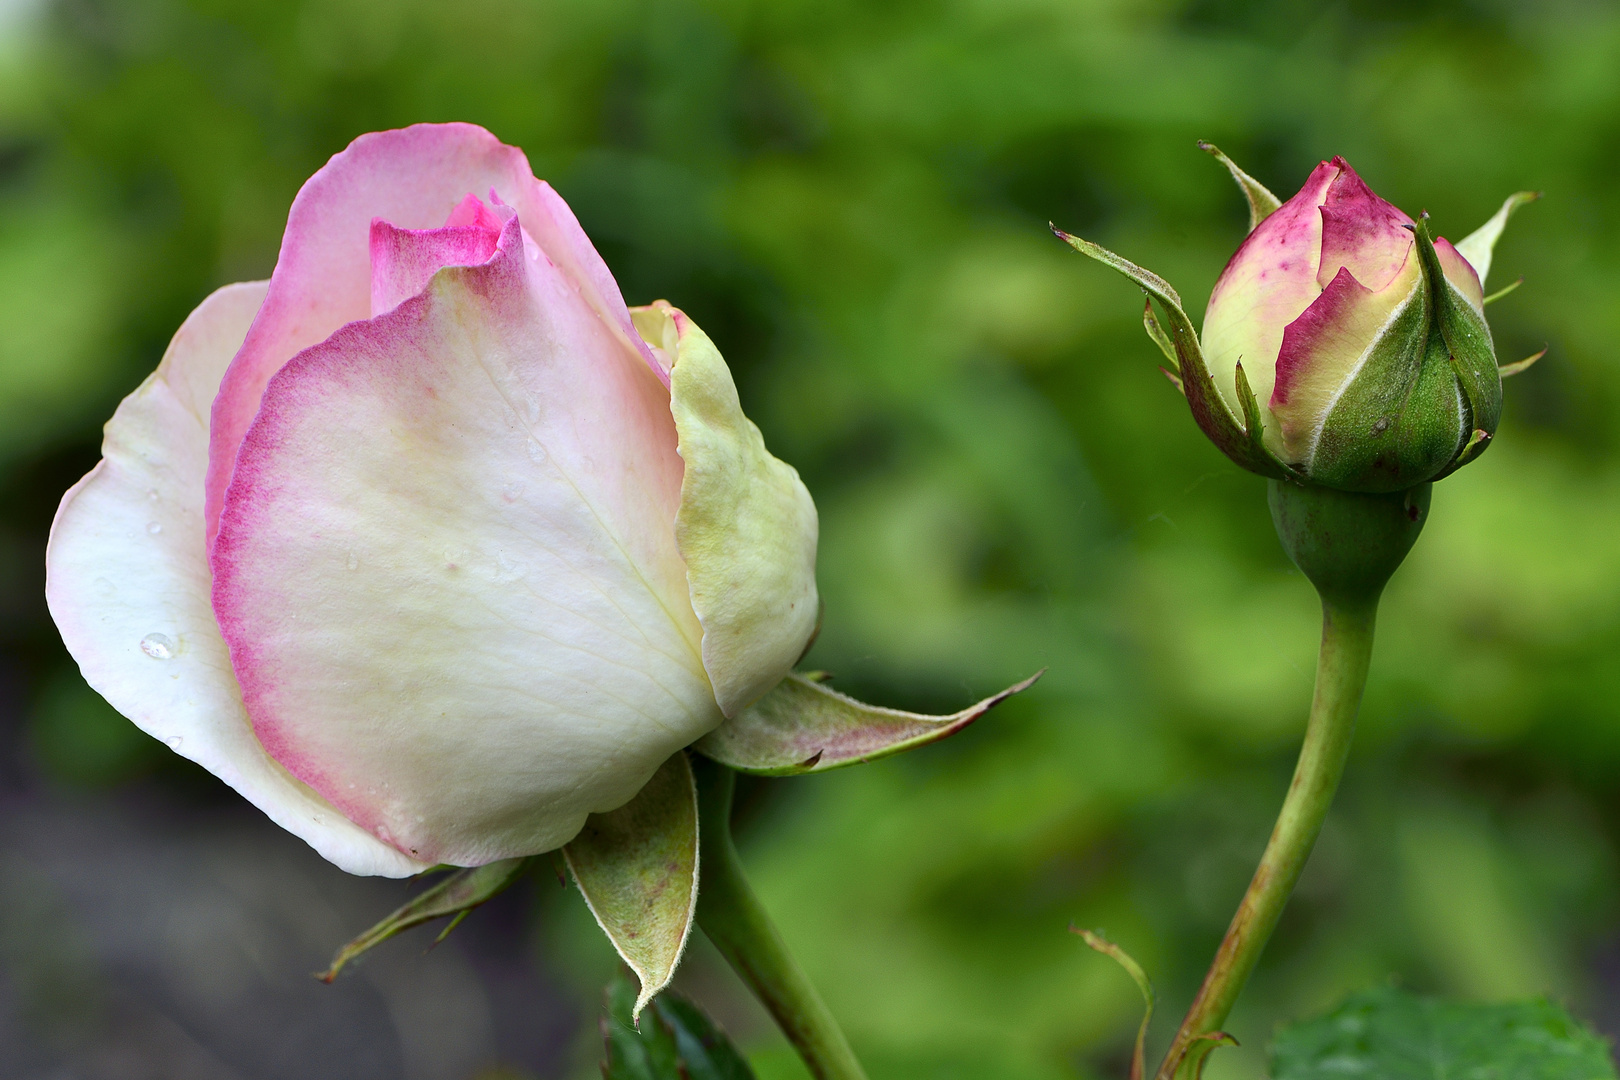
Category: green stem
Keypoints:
(1341, 675)
(733, 918)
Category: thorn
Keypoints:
(1410, 228)
(811, 762)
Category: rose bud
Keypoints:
(1341, 345)
(429, 546)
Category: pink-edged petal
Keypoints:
(413, 178)
(1325, 347)
(447, 568)
(1461, 274)
(403, 260)
(1266, 285)
(1362, 232)
(127, 582)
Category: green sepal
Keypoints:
(637, 868)
(1394, 1035)
(1503, 291)
(1150, 323)
(454, 895)
(1209, 409)
(1261, 201)
(802, 726)
(1473, 359)
(1138, 976)
(1478, 245)
(1517, 366)
(673, 1040)
(1254, 424)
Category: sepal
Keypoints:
(802, 726)
(1208, 407)
(1478, 245)
(1467, 338)
(454, 895)
(637, 867)
(1261, 201)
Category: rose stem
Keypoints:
(733, 918)
(1341, 675)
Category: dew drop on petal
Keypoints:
(153, 527)
(157, 646)
(173, 742)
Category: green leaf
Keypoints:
(454, 895)
(1473, 357)
(1478, 245)
(673, 1041)
(637, 867)
(1389, 1034)
(1261, 201)
(802, 726)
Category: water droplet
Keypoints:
(173, 742)
(153, 527)
(157, 646)
(104, 586)
(354, 561)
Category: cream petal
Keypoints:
(747, 527)
(127, 582)
(447, 570)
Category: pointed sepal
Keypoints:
(1208, 407)
(1467, 338)
(453, 896)
(1478, 245)
(637, 867)
(1261, 201)
(802, 726)
(1503, 291)
(673, 1040)
(1521, 365)
(1150, 323)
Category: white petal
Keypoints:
(128, 584)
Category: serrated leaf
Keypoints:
(802, 726)
(1261, 201)
(1389, 1034)
(454, 895)
(637, 867)
(675, 1040)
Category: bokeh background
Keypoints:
(852, 199)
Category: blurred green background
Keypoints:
(852, 199)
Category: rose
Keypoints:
(429, 546)
(1341, 345)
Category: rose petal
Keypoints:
(1362, 232)
(1460, 273)
(1325, 347)
(1267, 284)
(413, 178)
(447, 572)
(746, 528)
(404, 260)
(128, 585)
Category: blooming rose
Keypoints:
(429, 546)
(1341, 345)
